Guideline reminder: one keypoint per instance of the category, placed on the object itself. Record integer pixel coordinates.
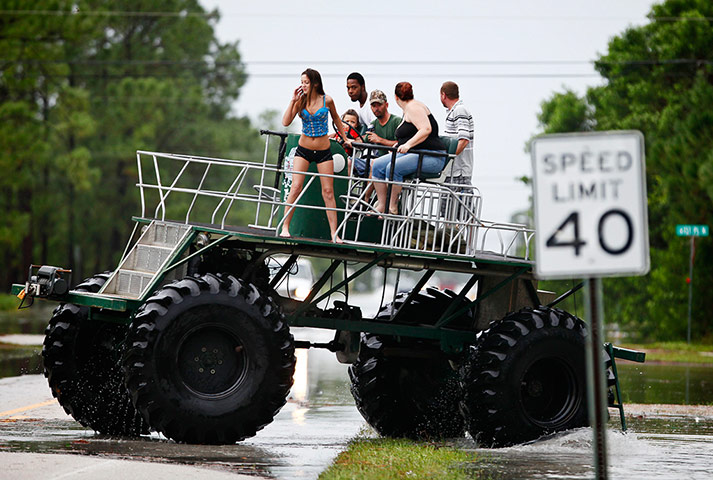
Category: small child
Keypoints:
(350, 118)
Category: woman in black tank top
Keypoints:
(418, 130)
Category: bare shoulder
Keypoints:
(328, 100)
(418, 107)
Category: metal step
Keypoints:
(145, 260)
(164, 234)
(131, 283)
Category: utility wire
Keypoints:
(210, 61)
(291, 15)
(108, 13)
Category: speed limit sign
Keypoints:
(590, 205)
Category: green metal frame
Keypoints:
(451, 340)
(624, 354)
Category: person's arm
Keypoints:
(291, 111)
(337, 121)
(419, 117)
(374, 138)
(462, 143)
(464, 127)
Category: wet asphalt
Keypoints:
(38, 440)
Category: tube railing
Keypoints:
(457, 233)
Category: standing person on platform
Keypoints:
(314, 107)
(356, 89)
(459, 124)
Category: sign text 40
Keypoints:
(609, 246)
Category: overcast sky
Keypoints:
(506, 56)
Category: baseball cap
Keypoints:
(377, 96)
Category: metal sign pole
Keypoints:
(589, 192)
(690, 285)
(596, 386)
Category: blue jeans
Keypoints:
(406, 164)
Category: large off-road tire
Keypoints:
(402, 396)
(210, 360)
(407, 388)
(426, 307)
(526, 378)
(82, 365)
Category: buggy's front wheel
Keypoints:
(210, 360)
(82, 363)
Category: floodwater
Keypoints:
(308, 433)
(660, 447)
(663, 442)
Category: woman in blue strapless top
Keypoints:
(314, 107)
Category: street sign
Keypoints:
(692, 230)
(590, 205)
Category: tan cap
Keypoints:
(377, 96)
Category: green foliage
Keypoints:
(82, 87)
(564, 112)
(659, 80)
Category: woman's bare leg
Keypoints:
(380, 195)
(328, 197)
(382, 192)
(394, 202)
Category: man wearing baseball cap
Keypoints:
(384, 127)
(382, 131)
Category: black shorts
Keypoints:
(316, 156)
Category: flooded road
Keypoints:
(659, 445)
(315, 425)
(663, 442)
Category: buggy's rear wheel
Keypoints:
(210, 360)
(525, 378)
(407, 388)
(82, 366)
(402, 395)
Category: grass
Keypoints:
(8, 302)
(675, 352)
(392, 459)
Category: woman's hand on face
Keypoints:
(403, 148)
(298, 93)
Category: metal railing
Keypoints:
(433, 218)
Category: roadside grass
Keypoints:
(675, 352)
(392, 459)
(8, 302)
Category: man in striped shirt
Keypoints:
(459, 124)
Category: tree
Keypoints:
(83, 85)
(659, 80)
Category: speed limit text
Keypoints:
(583, 163)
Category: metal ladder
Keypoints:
(146, 259)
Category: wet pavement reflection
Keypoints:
(315, 425)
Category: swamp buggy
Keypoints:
(189, 336)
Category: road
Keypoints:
(39, 441)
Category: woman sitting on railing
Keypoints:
(313, 144)
(418, 130)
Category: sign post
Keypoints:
(591, 221)
(692, 231)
